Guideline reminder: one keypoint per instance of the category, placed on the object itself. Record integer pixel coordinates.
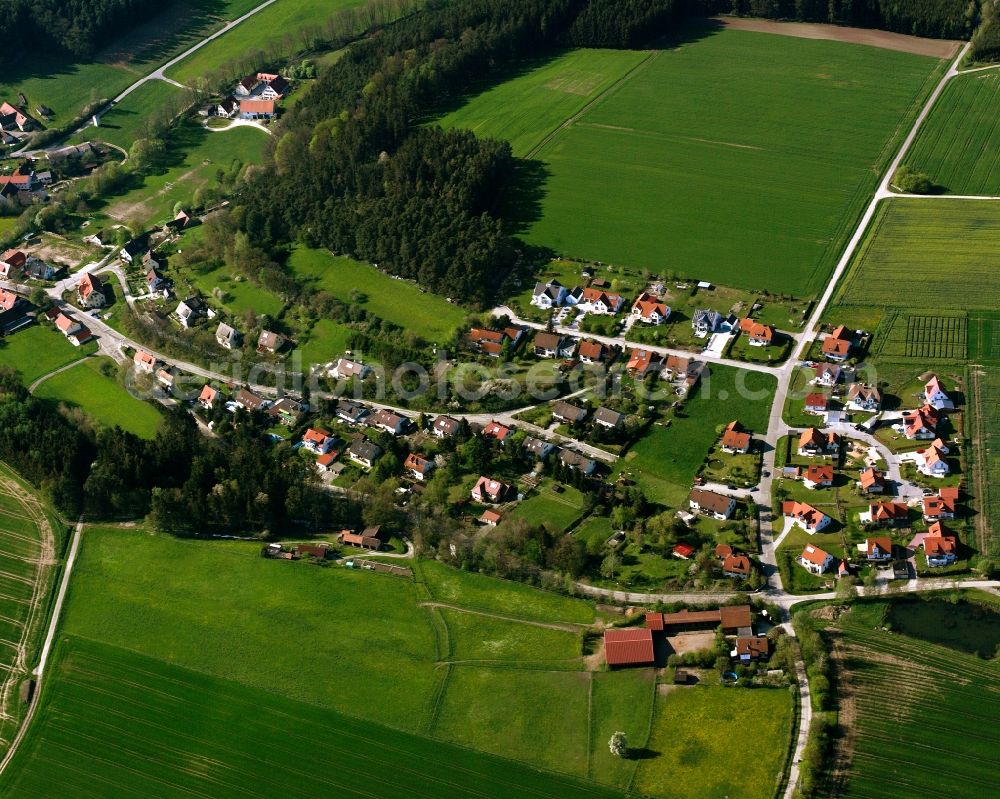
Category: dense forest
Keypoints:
(80, 27)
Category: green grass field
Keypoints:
(38, 350)
(666, 459)
(397, 301)
(556, 511)
(101, 398)
(738, 157)
(268, 27)
(123, 124)
(984, 336)
(939, 739)
(917, 244)
(492, 595)
(728, 743)
(623, 701)
(196, 155)
(117, 724)
(959, 143)
(473, 636)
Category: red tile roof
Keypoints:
(735, 437)
(654, 621)
(628, 647)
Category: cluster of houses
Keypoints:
(13, 311)
(637, 646)
(75, 331)
(24, 186)
(371, 538)
(255, 97)
(15, 123)
(16, 264)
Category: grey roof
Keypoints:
(707, 318)
(608, 416)
(351, 410)
(364, 449)
(552, 289)
(577, 461)
(537, 446)
(447, 425)
(566, 410)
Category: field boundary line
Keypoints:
(980, 455)
(568, 626)
(436, 700)
(590, 721)
(653, 54)
(649, 733)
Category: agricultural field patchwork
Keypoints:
(928, 254)
(156, 732)
(958, 145)
(923, 336)
(758, 188)
(936, 736)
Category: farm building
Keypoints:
(629, 647)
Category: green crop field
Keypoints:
(38, 350)
(729, 742)
(123, 124)
(101, 398)
(958, 145)
(741, 158)
(666, 459)
(984, 336)
(396, 301)
(195, 156)
(117, 724)
(267, 28)
(929, 254)
(492, 595)
(924, 335)
(985, 385)
(923, 714)
(543, 96)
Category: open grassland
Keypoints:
(498, 710)
(738, 157)
(474, 636)
(38, 350)
(959, 143)
(66, 86)
(102, 398)
(397, 301)
(667, 458)
(621, 700)
(117, 724)
(506, 598)
(542, 96)
(27, 556)
(922, 716)
(928, 254)
(268, 27)
(726, 742)
(124, 123)
(194, 156)
(260, 616)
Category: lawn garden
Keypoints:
(758, 188)
(555, 510)
(958, 145)
(38, 350)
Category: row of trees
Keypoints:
(79, 27)
(946, 19)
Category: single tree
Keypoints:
(618, 745)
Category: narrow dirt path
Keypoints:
(54, 372)
(568, 627)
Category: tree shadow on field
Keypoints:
(520, 204)
(693, 30)
(641, 753)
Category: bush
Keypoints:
(910, 181)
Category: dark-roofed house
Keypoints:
(548, 295)
(552, 345)
(709, 503)
(445, 426)
(269, 341)
(632, 646)
(249, 401)
(350, 411)
(538, 447)
(364, 452)
(608, 418)
(392, 423)
(577, 462)
(706, 321)
(569, 413)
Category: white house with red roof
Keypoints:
(490, 491)
(942, 506)
(837, 345)
(940, 545)
(931, 461)
(208, 398)
(497, 431)
(816, 560)
(921, 424)
(318, 440)
(936, 396)
(596, 301)
(144, 362)
(805, 516)
(90, 292)
(650, 310)
(758, 335)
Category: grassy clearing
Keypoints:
(666, 459)
(264, 29)
(959, 144)
(619, 700)
(758, 188)
(492, 595)
(497, 710)
(555, 511)
(259, 615)
(101, 398)
(195, 155)
(158, 730)
(477, 637)
(696, 732)
(933, 688)
(396, 301)
(123, 124)
(542, 96)
(913, 243)
(38, 350)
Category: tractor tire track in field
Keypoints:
(653, 54)
(566, 627)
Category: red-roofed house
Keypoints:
(940, 545)
(318, 441)
(599, 302)
(418, 466)
(208, 398)
(90, 292)
(592, 351)
(641, 362)
(738, 566)
(8, 300)
(878, 549)
(816, 443)
(497, 431)
(837, 346)
(920, 424)
(757, 334)
(885, 514)
(257, 109)
(942, 506)
(931, 461)
(647, 308)
(805, 516)
(815, 559)
(817, 403)
(817, 476)
(490, 517)
(12, 264)
(752, 647)
(735, 439)
(144, 362)
(683, 551)
(491, 491)
(871, 481)
(632, 646)
(936, 396)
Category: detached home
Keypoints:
(392, 423)
(706, 321)
(346, 369)
(350, 411)
(805, 516)
(862, 397)
(837, 345)
(12, 264)
(208, 398)
(942, 506)
(608, 418)
(735, 439)
(817, 476)
(191, 310)
(90, 292)
(815, 443)
(548, 295)
(940, 546)
(144, 362)
(827, 374)
(490, 491)
(931, 461)
(497, 431)
(364, 452)
(226, 336)
(642, 362)
(592, 352)
(871, 481)
(577, 462)
(815, 559)
(269, 341)
(936, 396)
(709, 503)
(417, 466)
(552, 345)
(445, 427)
(318, 441)
(758, 335)
(878, 549)
(569, 413)
(596, 301)
(648, 309)
(538, 448)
